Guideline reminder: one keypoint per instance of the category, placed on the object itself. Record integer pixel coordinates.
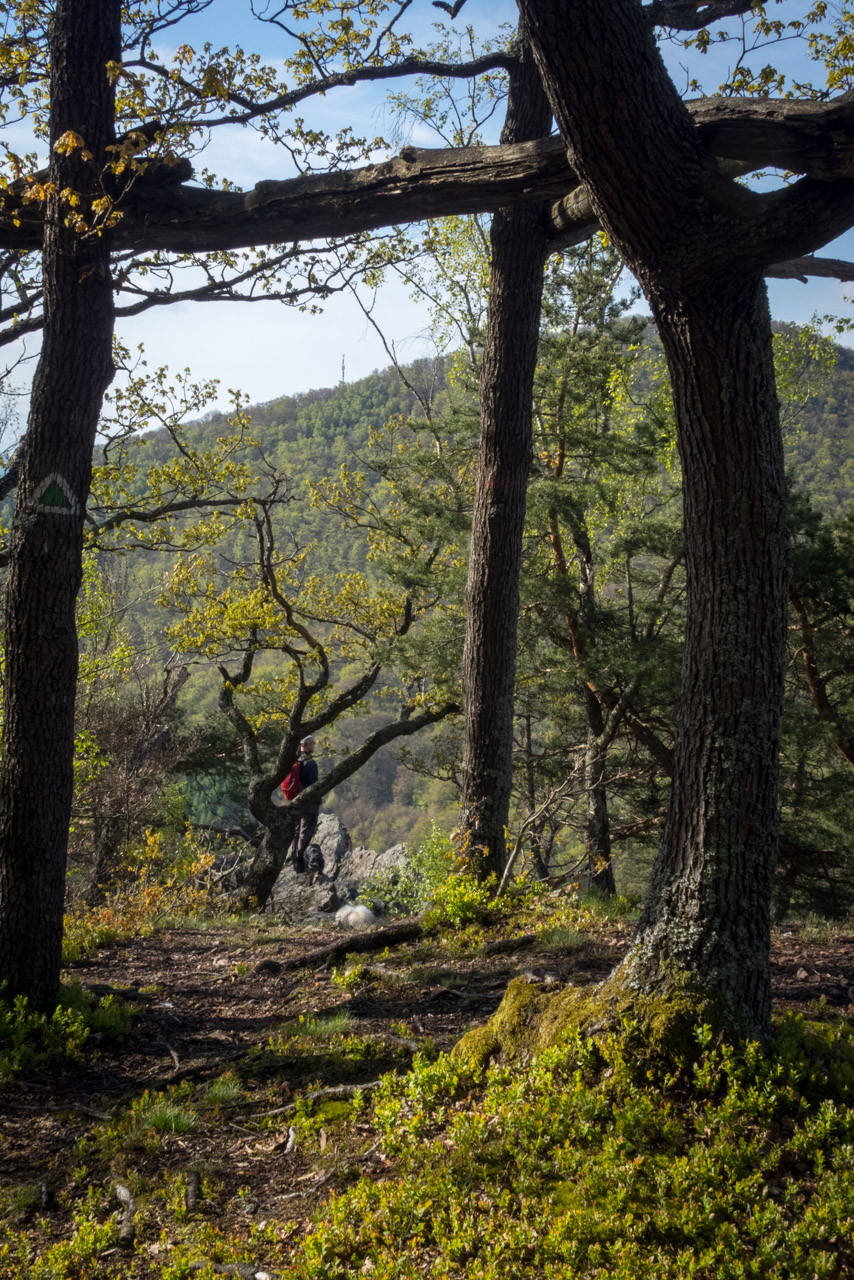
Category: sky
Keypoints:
(266, 349)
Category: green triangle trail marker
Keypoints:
(54, 497)
(54, 494)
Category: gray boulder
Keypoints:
(363, 863)
(308, 894)
(333, 840)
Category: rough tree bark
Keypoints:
(694, 241)
(74, 369)
(709, 905)
(816, 138)
(518, 241)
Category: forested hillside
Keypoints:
(311, 437)
(819, 433)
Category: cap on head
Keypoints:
(308, 742)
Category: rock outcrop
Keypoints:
(344, 872)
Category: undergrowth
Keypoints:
(30, 1038)
(581, 1165)
(585, 1164)
(154, 886)
(408, 890)
(592, 1161)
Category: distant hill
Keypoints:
(819, 441)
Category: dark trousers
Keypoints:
(305, 832)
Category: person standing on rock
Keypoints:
(308, 774)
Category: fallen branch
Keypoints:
(359, 944)
(127, 1230)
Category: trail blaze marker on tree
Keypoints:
(54, 495)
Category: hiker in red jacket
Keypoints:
(309, 774)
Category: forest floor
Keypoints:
(258, 1058)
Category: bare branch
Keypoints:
(693, 15)
(413, 66)
(801, 268)
(351, 763)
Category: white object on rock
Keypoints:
(354, 916)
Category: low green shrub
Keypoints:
(165, 1116)
(153, 1113)
(78, 1258)
(226, 1088)
(408, 890)
(462, 900)
(302, 1028)
(30, 1038)
(350, 977)
(588, 1164)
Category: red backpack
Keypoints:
(292, 784)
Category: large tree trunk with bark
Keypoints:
(708, 908)
(74, 369)
(693, 243)
(518, 243)
(263, 871)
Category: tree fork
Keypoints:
(74, 369)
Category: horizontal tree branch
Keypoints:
(806, 137)
(693, 15)
(151, 515)
(814, 138)
(810, 137)
(412, 66)
(352, 762)
(802, 268)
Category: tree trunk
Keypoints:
(263, 872)
(74, 369)
(708, 908)
(518, 243)
(693, 241)
(597, 834)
